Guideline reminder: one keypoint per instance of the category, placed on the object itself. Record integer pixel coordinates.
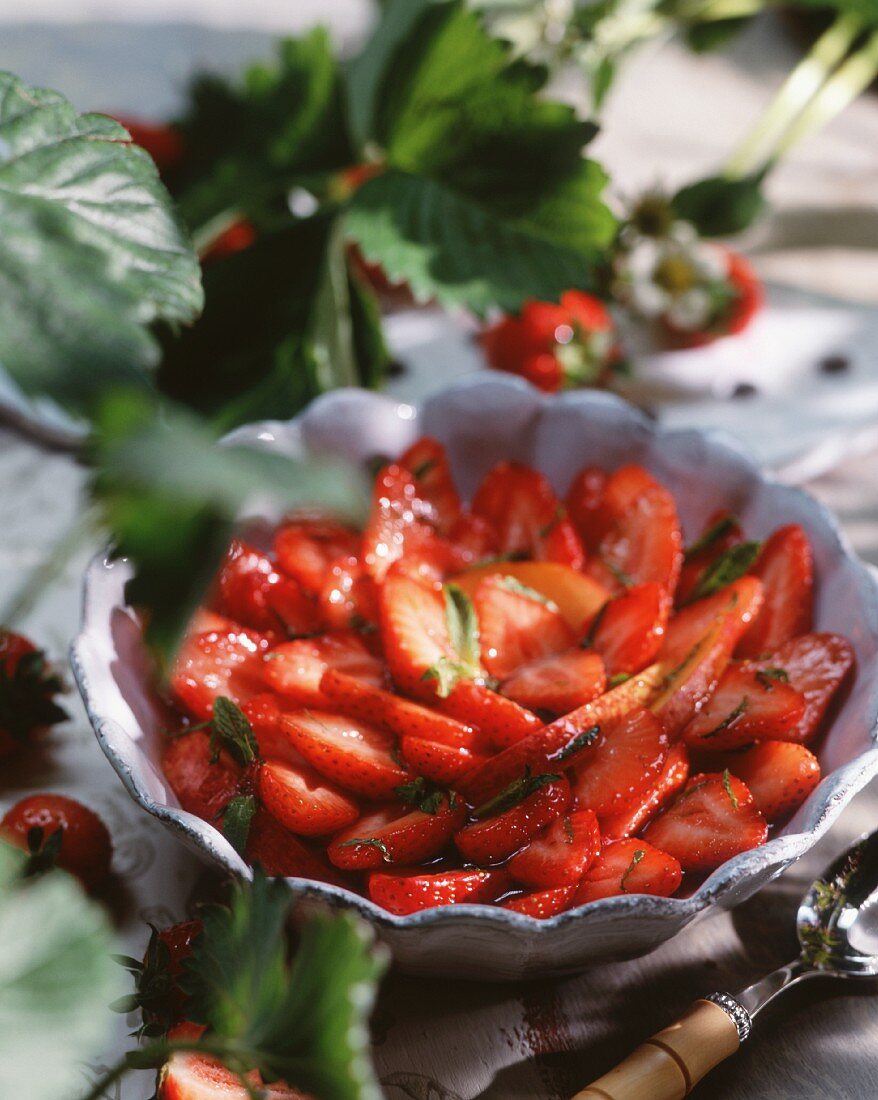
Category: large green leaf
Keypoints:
(91, 252)
(867, 10)
(56, 981)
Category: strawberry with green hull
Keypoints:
(27, 692)
(60, 831)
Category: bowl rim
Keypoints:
(838, 786)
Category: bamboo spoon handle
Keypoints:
(671, 1063)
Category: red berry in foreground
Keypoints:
(85, 849)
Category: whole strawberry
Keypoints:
(60, 831)
(27, 690)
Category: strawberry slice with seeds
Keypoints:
(576, 595)
(583, 503)
(517, 625)
(748, 704)
(780, 776)
(295, 669)
(357, 699)
(542, 904)
(513, 818)
(302, 801)
(742, 597)
(500, 721)
(348, 597)
(203, 781)
(557, 684)
(442, 763)
(400, 526)
(472, 539)
(414, 889)
(629, 630)
(264, 713)
(561, 854)
(274, 849)
(629, 867)
(721, 533)
(785, 567)
(563, 742)
(714, 819)
(390, 836)
(527, 517)
(625, 761)
(191, 1076)
(641, 539)
(306, 547)
(817, 665)
(427, 461)
(352, 754)
(218, 663)
(251, 590)
(671, 780)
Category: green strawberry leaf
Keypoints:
(91, 252)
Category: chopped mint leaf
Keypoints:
(729, 719)
(423, 469)
(517, 791)
(230, 727)
(369, 842)
(625, 579)
(725, 525)
(635, 859)
(731, 566)
(727, 786)
(237, 819)
(423, 794)
(768, 677)
(618, 678)
(575, 744)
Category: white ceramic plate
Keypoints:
(482, 420)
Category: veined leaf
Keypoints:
(91, 252)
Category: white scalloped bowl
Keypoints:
(481, 420)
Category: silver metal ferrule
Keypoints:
(739, 1015)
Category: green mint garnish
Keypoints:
(237, 820)
(727, 784)
(731, 566)
(422, 794)
(619, 678)
(724, 526)
(635, 859)
(231, 730)
(517, 791)
(573, 746)
(369, 842)
(729, 719)
(768, 677)
(588, 641)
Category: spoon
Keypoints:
(837, 926)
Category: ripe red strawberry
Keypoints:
(542, 904)
(621, 766)
(427, 462)
(218, 663)
(748, 704)
(472, 539)
(357, 699)
(778, 774)
(641, 539)
(817, 666)
(348, 597)
(714, 819)
(517, 625)
(306, 547)
(392, 835)
(500, 721)
(672, 778)
(413, 889)
(563, 742)
(629, 867)
(204, 786)
(629, 631)
(263, 712)
(512, 819)
(27, 690)
(443, 764)
(561, 854)
(352, 754)
(742, 598)
(191, 1076)
(785, 567)
(163, 142)
(401, 527)
(302, 801)
(527, 517)
(251, 591)
(721, 533)
(274, 849)
(85, 849)
(295, 669)
(583, 502)
(414, 630)
(557, 684)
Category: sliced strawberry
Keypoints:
(443, 764)
(263, 712)
(414, 631)
(357, 699)
(302, 801)
(557, 684)
(785, 567)
(217, 663)
(576, 595)
(274, 849)
(517, 625)
(528, 518)
(672, 778)
(295, 669)
(427, 462)
(354, 755)
(714, 819)
(498, 831)
(306, 547)
(688, 627)
(817, 665)
(561, 854)
(499, 720)
(205, 621)
(583, 502)
(721, 533)
(401, 527)
(204, 786)
(412, 890)
(191, 1076)
(629, 867)
(472, 539)
(348, 597)
(294, 611)
(561, 743)
(624, 762)
(629, 631)
(778, 774)
(248, 587)
(748, 704)
(542, 904)
(641, 539)
(392, 835)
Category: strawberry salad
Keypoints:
(527, 702)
